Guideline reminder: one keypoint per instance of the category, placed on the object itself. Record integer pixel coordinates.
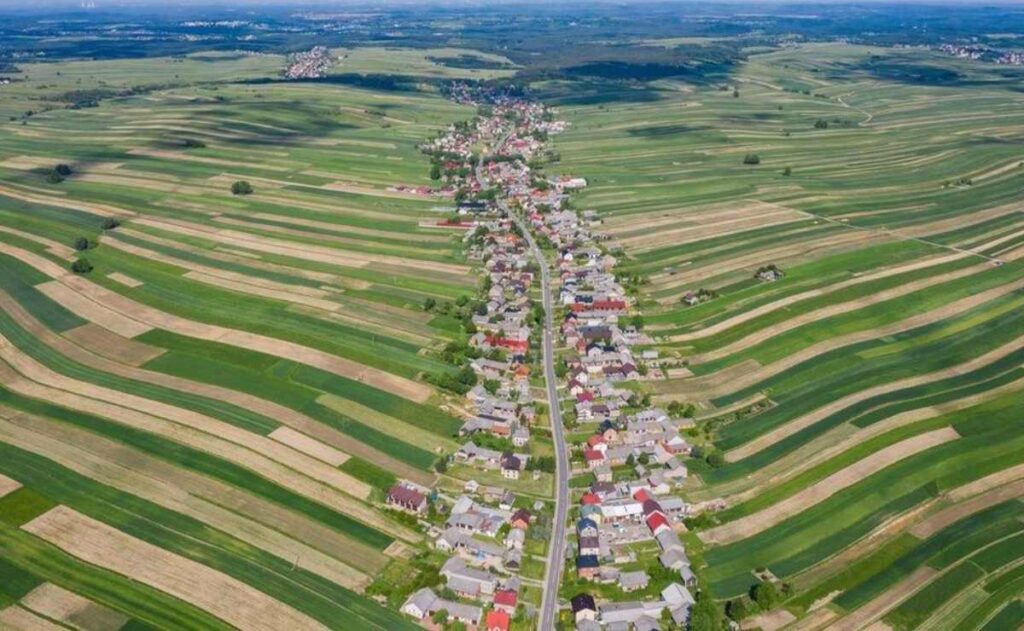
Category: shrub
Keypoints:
(81, 243)
(765, 594)
(110, 223)
(241, 187)
(751, 158)
(54, 178)
(787, 172)
(63, 170)
(81, 266)
(192, 143)
(821, 123)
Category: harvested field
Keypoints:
(770, 621)
(124, 280)
(101, 341)
(223, 596)
(99, 314)
(980, 501)
(7, 485)
(14, 618)
(57, 603)
(309, 446)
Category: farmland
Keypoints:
(857, 415)
(227, 390)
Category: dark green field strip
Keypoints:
(80, 219)
(1009, 618)
(43, 562)
(922, 604)
(1005, 552)
(870, 317)
(975, 531)
(818, 532)
(22, 506)
(368, 472)
(19, 280)
(272, 379)
(979, 232)
(847, 294)
(54, 360)
(319, 598)
(15, 582)
(205, 463)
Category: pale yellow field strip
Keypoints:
(94, 312)
(184, 156)
(342, 228)
(980, 502)
(7, 485)
(219, 594)
(148, 184)
(127, 281)
(389, 425)
(746, 316)
(57, 249)
(310, 446)
(769, 621)
(101, 341)
(820, 491)
(14, 618)
(269, 409)
(77, 612)
(809, 317)
(102, 210)
(85, 298)
(770, 438)
(881, 605)
(260, 290)
(254, 520)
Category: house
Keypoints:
(425, 603)
(465, 581)
(506, 600)
(510, 466)
(497, 620)
(603, 473)
(587, 566)
(407, 499)
(593, 458)
(589, 546)
(583, 607)
(657, 523)
(586, 528)
(515, 539)
(632, 581)
(521, 519)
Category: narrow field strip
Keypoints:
(981, 500)
(305, 444)
(818, 492)
(881, 605)
(14, 618)
(114, 347)
(227, 598)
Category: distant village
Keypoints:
(628, 456)
(311, 64)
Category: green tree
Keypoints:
(765, 594)
(435, 172)
(440, 616)
(81, 244)
(429, 304)
(81, 266)
(241, 187)
(110, 223)
(63, 170)
(751, 158)
(787, 172)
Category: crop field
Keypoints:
(859, 414)
(224, 395)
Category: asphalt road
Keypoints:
(556, 551)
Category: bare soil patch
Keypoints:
(69, 608)
(305, 444)
(14, 618)
(7, 485)
(769, 621)
(95, 312)
(125, 280)
(101, 341)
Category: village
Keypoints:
(625, 565)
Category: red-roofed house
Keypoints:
(658, 523)
(590, 499)
(593, 457)
(497, 621)
(506, 600)
(407, 499)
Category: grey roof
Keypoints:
(632, 580)
(646, 623)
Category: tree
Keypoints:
(751, 158)
(821, 123)
(736, 93)
(440, 616)
(54, 178)
(81, 266)
(192, 143)
(765, 594)
(705, 615)
(241, 187)
(737, 609)
(110, 223)
(429, 304)
(441, 465)
(81, 243)
(435, 172)
(715, 459)
(787, 172)
(63, 170)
